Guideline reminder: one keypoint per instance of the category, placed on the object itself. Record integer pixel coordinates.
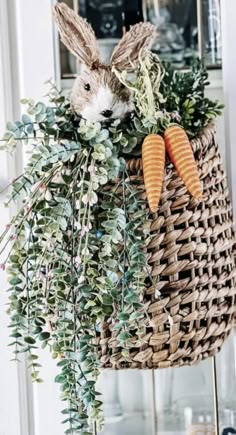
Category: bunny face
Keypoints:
(97, 94)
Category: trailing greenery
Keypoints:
(72, 245)
(75, 251)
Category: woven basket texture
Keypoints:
(192, 259)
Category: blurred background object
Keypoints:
(212, 32)
(186, 28)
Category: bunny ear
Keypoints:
(140, 37)
(76, 34)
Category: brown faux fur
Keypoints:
(140, 37)
(98, 77)
(77, 34)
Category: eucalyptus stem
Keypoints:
(124, 238)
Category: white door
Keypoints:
(14, 416)
(26, 62)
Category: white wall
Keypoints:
(35, 42)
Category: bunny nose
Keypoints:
(107, 113)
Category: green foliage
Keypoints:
(184, 93)
(73, 251)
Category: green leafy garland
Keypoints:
(65, 272)
(75, 251)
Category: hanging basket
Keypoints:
(192, 259)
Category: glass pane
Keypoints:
(212, 32)
(106, 17)
(127, 404)
(67, 60)
(226, 382)
(178, 28)
(184, 400)
(176, 21)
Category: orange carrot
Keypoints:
(153, 160)
(181, 155)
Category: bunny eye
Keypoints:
(87, 87)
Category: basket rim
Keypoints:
(203, 140)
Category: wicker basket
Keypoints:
(193, 262)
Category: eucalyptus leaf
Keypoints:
(11, 126)
(123, 336)
(26, 119)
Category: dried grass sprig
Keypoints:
(146, 87)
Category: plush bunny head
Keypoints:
(97, 94)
